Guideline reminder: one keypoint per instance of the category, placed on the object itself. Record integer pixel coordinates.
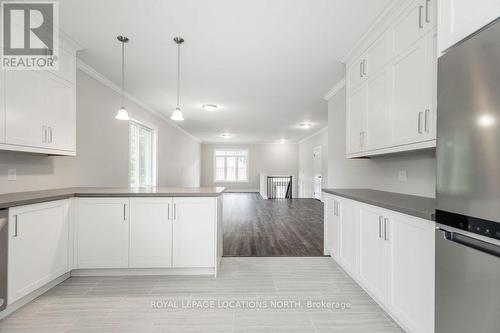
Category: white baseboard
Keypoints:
(30, 297)
(242, 191)
(142, 271)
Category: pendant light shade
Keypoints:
(122, 113)
(177, 113)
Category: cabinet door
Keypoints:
(24, 107)
(415, 22)
(373, 252)
(60, 114)
(356, 121)
(348, 236)
(412, 94)
(194, 232)
(332, 217)
(150, 232)
(378, 111)
(355, 73)
(102, 233)
(38, 247)
(458, 19)
(2, 106)
(412, 272)
(379, 53)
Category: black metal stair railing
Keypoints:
(279, 187)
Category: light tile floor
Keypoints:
(250, 295)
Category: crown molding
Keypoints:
(84, 67)
(313, 135)
(336, 88)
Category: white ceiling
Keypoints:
(266, 63)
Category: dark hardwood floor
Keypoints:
(265, 228)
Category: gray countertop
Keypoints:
(413, 205)
(26, 198)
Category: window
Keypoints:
(231, 166)
(142, 155)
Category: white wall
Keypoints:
(380, 173)
(272, 159)
(306, 165)
(102, 148)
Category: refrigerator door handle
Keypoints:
(472, 243)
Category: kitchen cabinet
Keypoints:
(391, 256)
(391, 103)
(102, 234)
(38, 246)
(2, 106)
(151, 222)
(458, 19)
(412, 272)
(332, 225)
(412, 97)
(40, 109)
(348, 253)
(374, 252)
(194, 223)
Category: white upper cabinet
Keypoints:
(38, 246)
(459, 18)
(151, 232)
(391, 102)
(102, 233)
(194, 232)
(40, 109)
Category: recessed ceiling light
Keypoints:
(282, 141)
(209, 107)
(226, 135)
(305, 125)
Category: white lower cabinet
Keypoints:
(38, 246)
(102, 234)
(332, 224)
(151, 221)
(391, 255)
(194, 232)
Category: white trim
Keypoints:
(313, 135)
(241, 191)
(84, 67)
(336, 88)
(431, 144)
(246, 181)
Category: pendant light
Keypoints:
(177, 114)
(122, 113)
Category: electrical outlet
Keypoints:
(12, 174)
(402, 176)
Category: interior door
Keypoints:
(60, 113)
(318, 178)
(356, 120)
(38, 247)
(150, 232)
(103, 233)
(194, 232)
(24, 103)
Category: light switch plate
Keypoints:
(402, 176)
(11, 174)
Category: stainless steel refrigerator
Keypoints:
(468, 186)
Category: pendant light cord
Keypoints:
(123, 72)
(178, 73)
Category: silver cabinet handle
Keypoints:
(420, 114)
(124, 212)
(168, 212)
(427, 10)
(420, 9)
(50, 134)
(44, 134)
(364, 67)
(386, 237)
(175, 211)
(361, 139)
(15, 226)
(426, 120)
(361, 69)
(380, 226)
